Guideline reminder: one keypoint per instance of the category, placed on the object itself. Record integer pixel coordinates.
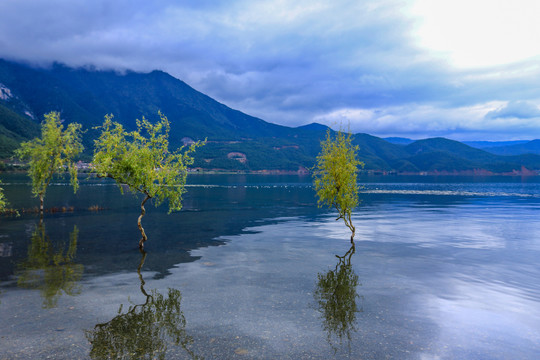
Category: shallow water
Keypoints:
(443, 268)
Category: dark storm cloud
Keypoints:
(290, 62)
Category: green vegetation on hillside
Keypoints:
(260, 154)
(236, 141)
(14, 129)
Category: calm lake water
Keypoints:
(443, 268)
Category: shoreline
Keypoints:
(523, 172)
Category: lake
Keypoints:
(442, 268)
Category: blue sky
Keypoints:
(466, 70)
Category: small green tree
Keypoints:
(3, 202)
(53, 152)
(335, 175)
(144, 163)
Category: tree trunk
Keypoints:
(348, 222)
(353, 232)
(346, 216)
(41, 204)
(143, 211)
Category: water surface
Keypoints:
(443, 268)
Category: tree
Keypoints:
(144, 163)
(335, 175)
(3, 202)
(53, 152)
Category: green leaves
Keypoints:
(3, 201)
(141, 159)
(53, 152)
(335, 175)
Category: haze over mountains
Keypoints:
(236, 141)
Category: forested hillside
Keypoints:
(236, 141)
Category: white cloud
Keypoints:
(479, 33)
(515, 109)
(422, 121)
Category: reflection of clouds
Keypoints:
(394, 225)
(421, 290)
(104, 293)
(6, 249)
(430, 228)
(330, 229)
(472, 309)
(263, 292)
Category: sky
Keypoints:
(461, 69)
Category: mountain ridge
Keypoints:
(236, 141)
(530, 147)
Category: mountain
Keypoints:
(86, 96)
(399, 140)
(485, 145)
(449, 146)
(235, 141)
(378, 154)
(440, 154)
(530, 147)
(14, 129)
(490, 146)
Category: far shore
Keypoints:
(305, 172)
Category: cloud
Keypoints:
(423, 121)
(480, 33)
(515, 109)
(288, 62)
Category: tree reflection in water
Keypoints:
(48, 269)
(336, 297)
(144, 331)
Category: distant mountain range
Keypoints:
(516, 147)
(236, 141)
